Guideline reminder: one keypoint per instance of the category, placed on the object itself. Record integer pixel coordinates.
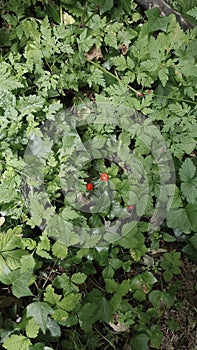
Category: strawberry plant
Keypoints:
(104, 177)
(98, 190)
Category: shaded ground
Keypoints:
(185, 313)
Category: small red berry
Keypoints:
(89, 186)
(104, 177)
(130, 207)
(140, 94)
(148, 91)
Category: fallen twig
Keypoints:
(166, 10)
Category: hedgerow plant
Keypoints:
(98, 112)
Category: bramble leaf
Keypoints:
(183, 219)
(17, 342)
(69, 302)
(140, 341)
(50, 296)
(78, 278)
(32, 328)
(60, 250)
(187, 174)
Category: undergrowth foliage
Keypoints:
(70, 55)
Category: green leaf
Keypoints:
(42, 246)
(183, 219)
(156, 336)
(32, 328)
(167, 275)
(50, 296)
(92, 312)
(111, 285)
(13, 258)
(53, 328)
(19, 281)
(108, 272)
(189, 190)
(163, 75)
(8, 241)
(98, 142)
(69, 302)
(104, 5)
(20, 284)
(187, 170)
(177, 218)
(171, 264)
(69, 214)
(193, 12)
(159, 299)
(116, 301)
(62, 282)
(60, 316)
(40, 311)
(102, 204)
(116, 263)
(191, 210)
(193, 241)
(17, 342)
(168, 238)
(53, 12)
(139, 295)
(124, 287)
(28, 243)
(121, 290)
(155, 22)
(78, 278)
(60, 250)
(140, 341)
(87, 316)
(104, 310)
(189, 182)
(27, 263)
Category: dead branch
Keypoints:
(165, 10)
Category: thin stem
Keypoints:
(107, 340)
(50, 273)
(135, 91)
(112, 75)
(175, 98)
(92, 280)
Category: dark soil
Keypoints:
(185, 313)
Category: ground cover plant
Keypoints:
(98, 191)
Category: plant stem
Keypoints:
(135, 91)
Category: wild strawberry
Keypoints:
(104, 177)
(140, 94)
(130, 207)
(89, 186)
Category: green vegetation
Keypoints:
(95, 92)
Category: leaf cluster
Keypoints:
(81, 81)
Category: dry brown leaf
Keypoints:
(95, 52)
(2, 220)
(124, 49)
(119, 327)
